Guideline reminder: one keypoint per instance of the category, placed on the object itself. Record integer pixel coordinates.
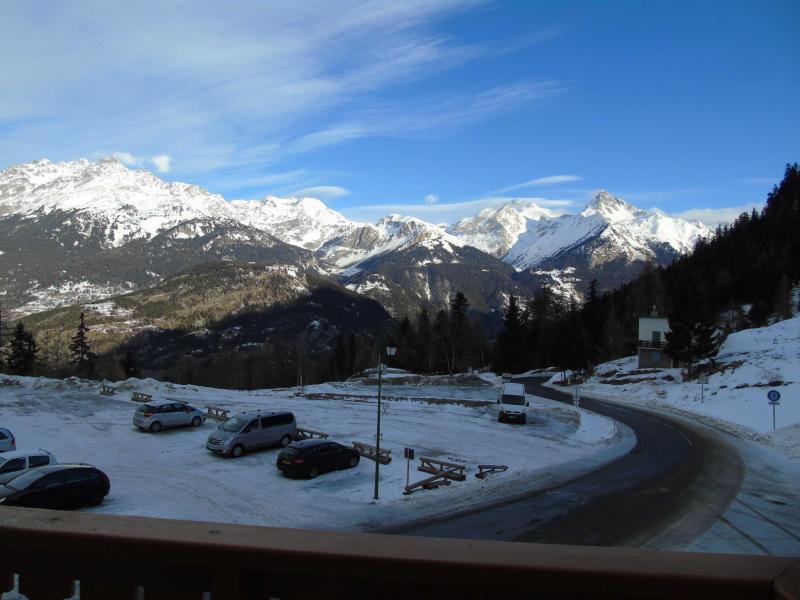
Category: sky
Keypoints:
(430, 108)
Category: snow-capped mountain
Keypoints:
(496, 230)
(607, 229)
(304, 222)
(390, 234)
(132, 204)
(89, 229)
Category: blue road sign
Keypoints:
(774, 395)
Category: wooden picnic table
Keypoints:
(303, 433)
(220, 414)
(140, 397)
(450, 470)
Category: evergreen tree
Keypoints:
(82, 356)
(782, 304)
(509, 355)
(23, 350)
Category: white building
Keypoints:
(652, 340)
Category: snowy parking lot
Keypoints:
(172, 475)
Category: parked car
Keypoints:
(163, 414)
(252, 430)
(7, 441)
(512, 403)
(309, 458)
(56, 486)
(14, 463)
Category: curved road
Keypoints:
(671, 487)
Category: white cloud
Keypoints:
(162, 162)
(322, 192)
(712, 217)
(127, 158)
(431, 199)
(540, 181)
(211, 85)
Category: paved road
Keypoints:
(668, 490)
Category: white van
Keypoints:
(512, 403)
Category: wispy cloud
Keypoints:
(431, 199)
(211, 91)
(712, 217)
(762, 181)
(449, 212)
(323, 192)
(538, 182)
(161, 162)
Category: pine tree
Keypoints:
(23, 350)
(82, 356)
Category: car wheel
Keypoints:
(196, 422)
(286, 440)
(353, 461)
(96, 500)
(237, 451)
(313, 472)
(155, 427)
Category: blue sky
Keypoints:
(433, 108)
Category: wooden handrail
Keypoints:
(115, 554)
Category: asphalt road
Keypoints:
(668, 490)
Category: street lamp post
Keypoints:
(390, 350)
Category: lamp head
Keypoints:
(391, 348)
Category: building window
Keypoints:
(656, 337)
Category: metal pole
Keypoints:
(702, 388)
(773, 417)
(378, 432)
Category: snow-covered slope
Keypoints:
(496, 230)
(618, 230)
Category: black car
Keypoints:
(57, 486)
(309, 458)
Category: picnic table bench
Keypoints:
(220, 414)
(454, 471)
(484, 470)
(6, 381)
(140, 397)
(303, 433)
(369, 451)
(107, 390)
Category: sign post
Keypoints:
(774, 397)
(409, 454)
(577, 397)
(702, 381)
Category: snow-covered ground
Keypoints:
(752, 362)
(172, 475)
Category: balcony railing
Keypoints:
(652, 344)
(129, 557)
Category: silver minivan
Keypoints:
(162, 414)
(17, 462)
(253, 430)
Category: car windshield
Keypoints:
(511, 399)
(24, 480)
(235, 424)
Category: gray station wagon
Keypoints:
(17, 462)
(252, 430)
(162, 414)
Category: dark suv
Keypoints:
(309, 458)
(57, 486)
